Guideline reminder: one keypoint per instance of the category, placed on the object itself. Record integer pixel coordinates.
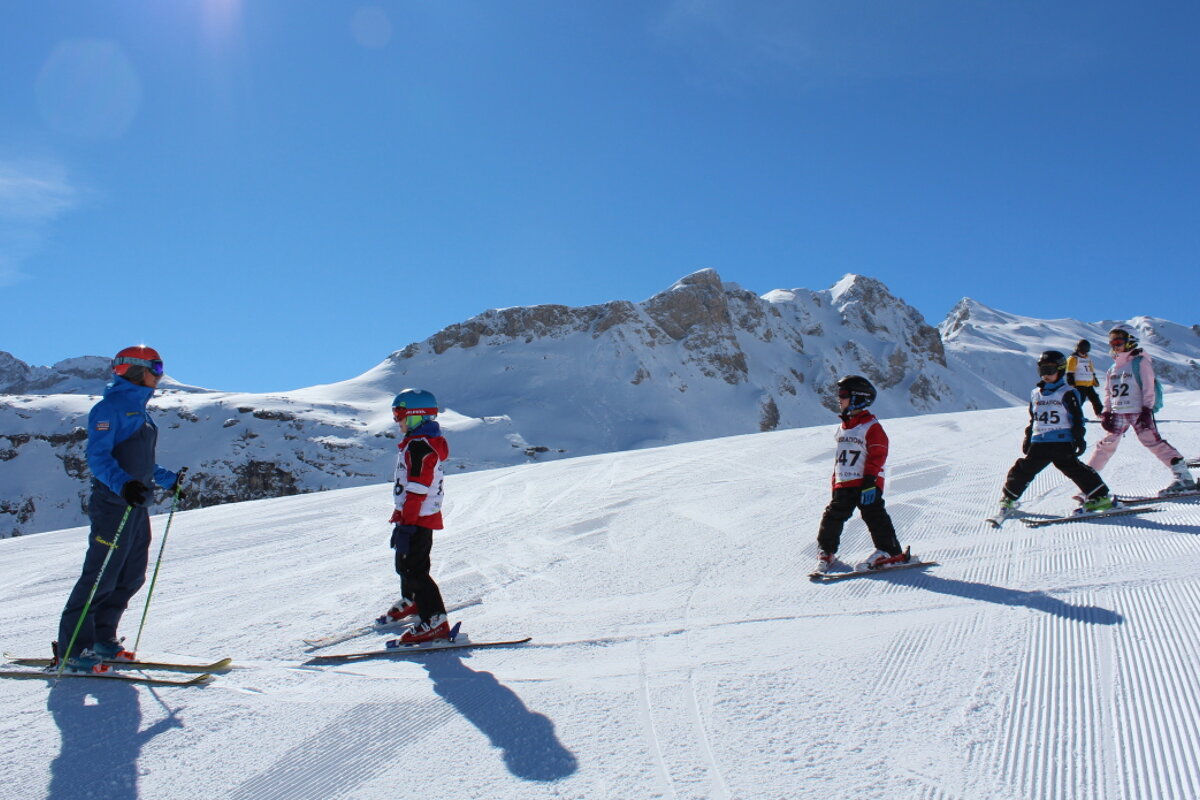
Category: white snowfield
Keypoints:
(679, 650)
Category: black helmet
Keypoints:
(1083, 347)
(858, 389)
(1051, 362)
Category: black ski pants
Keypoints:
(122, 577)
(841, 508)
(413, 565)
(1062, 456)
(1089, 393)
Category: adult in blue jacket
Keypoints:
(120, 455)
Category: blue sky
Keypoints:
(279, 193)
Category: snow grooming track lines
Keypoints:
(1049, 747)
(350, 750)
(1159, 695)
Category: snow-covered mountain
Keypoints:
(702, 359)
(678, 650)
(995, 346)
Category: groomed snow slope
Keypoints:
(679, 651)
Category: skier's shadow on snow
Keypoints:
(531, 750)
(1039, 601)
(101, 739)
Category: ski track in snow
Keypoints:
(679, 650)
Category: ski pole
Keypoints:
(161, 547)
(62, 660)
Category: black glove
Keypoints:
(1080, 446)
(177, 489)
(134, 493)
(1025, 445)
(1107, 422)
(401, 538)
(1145, 419)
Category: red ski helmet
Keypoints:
(137, 356)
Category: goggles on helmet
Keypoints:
(1049, 367)
(400, 412)
(154, 365)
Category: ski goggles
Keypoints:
(399, 412)
(1049, 368)
(154, 365)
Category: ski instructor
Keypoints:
(121, 439)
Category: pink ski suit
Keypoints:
(1130, 400)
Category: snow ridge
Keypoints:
(702, 359)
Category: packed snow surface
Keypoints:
(679, 651)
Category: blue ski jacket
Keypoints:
(122, 437)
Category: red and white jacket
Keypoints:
(862, 450)
(419, 478)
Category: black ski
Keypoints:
(831, 577)
(395, 648)
(1038, 522)
(169, 666)
(1141, 501)
(52, 675)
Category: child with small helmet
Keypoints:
(858, 476)
(418, 513)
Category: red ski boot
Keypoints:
(431, 630)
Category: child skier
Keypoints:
(1054, 436)
(1081, 374)
(858, 467)
(1131, 400)
(418, 495)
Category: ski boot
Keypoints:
(1095, 505)
(825, 561)
(880, 559)
(85, 662)
(112, 651)
(1007, 507)
(1184, 482)
(403, 609)
(431, 630)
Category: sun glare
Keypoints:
(220, 17)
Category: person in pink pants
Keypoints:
(1130, 402)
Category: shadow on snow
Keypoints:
(385, 738)
(99, 723)
(1038, 601)
(531, 750)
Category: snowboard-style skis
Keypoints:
(168, 666)
(1038, 522)
(830, 577)
(51, 675)
(1141, 501)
